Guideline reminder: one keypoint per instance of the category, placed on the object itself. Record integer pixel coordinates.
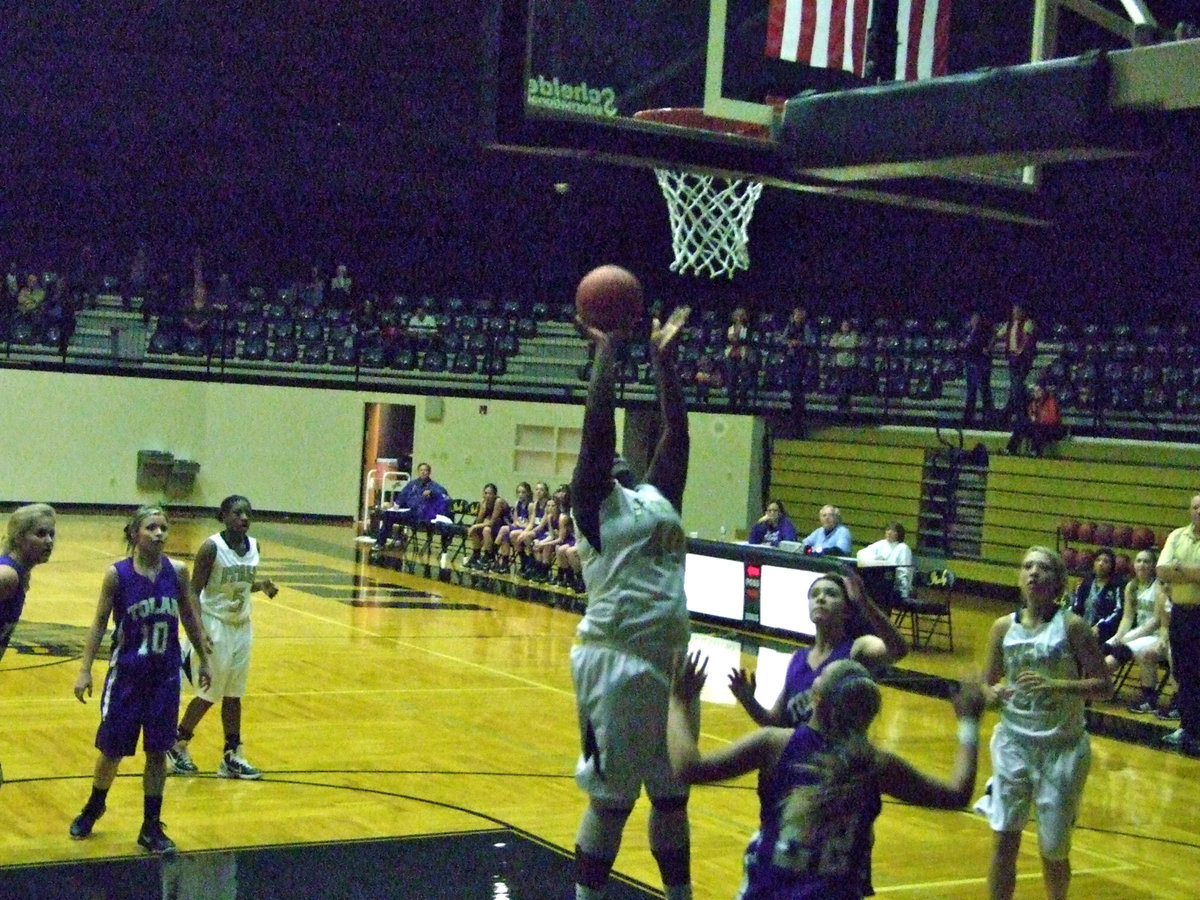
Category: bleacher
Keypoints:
(1117, 381)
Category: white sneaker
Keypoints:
(234, 765)
(179, 760)
(983, 805)
(1175, 738)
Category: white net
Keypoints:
(710, 221)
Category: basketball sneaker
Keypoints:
(180, 761)
(1175, 738)
(234, 765)
(153, 839)
(84, 822)
(1140, 706)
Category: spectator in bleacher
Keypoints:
(339, 287)
(1098, 600)
(737, 358)
(1142, 633)
(976, 352)
(418, 503)
(31, 296)
(1019, 334)
(708, 377)
(312, 292)
(800, 338)
(845, 343)
(494, 513)
(773, 526)
(1041, 425)
(138, 282)
(892, 551)
(831, 536)
(224, 295)
(1179, 570)
(422, 327)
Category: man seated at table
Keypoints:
(831, 537)
(891, 551)
(417, 504)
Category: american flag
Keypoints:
(832, 34)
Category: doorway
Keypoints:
(386, 456)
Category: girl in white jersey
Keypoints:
(224, 576)
(632, 547)
(1043, 662)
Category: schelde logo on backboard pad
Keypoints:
(555, 94)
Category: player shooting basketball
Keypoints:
(633, 549)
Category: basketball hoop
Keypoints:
(710, 214)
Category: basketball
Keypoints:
(1070, 559)
(1124, 566)
(1104, 534)
(1084, 561)
(1069, 529)
(609, 298)
(1087, 532)
(1143, 538)
(1123, 536)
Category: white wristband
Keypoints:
(968, 731)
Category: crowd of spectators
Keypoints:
(327, 316)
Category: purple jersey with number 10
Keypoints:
(141, 692)
(146, 620)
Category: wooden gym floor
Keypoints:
(418, 738)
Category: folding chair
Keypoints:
(927, 611)
(1126, 670)
(460, 510)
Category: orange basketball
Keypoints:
(1086, 532)
(609, 298)
(1124, 566)
(1070, 559)
(1143, 538)
(1069, 529)
(1104, 534)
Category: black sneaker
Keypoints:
(82, 826)
(153, 839)
(1140, 706)
(1171, 714)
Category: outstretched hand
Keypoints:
(689, 676)
(663, 334)
(742, 685)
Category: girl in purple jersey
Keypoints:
(147, 595)
(29, 540)
(819, 784)
(849, 626)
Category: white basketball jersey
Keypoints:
(1045, 649)
(227, 594)
(635, 585)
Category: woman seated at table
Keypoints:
(891, 551)
(773, 527)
